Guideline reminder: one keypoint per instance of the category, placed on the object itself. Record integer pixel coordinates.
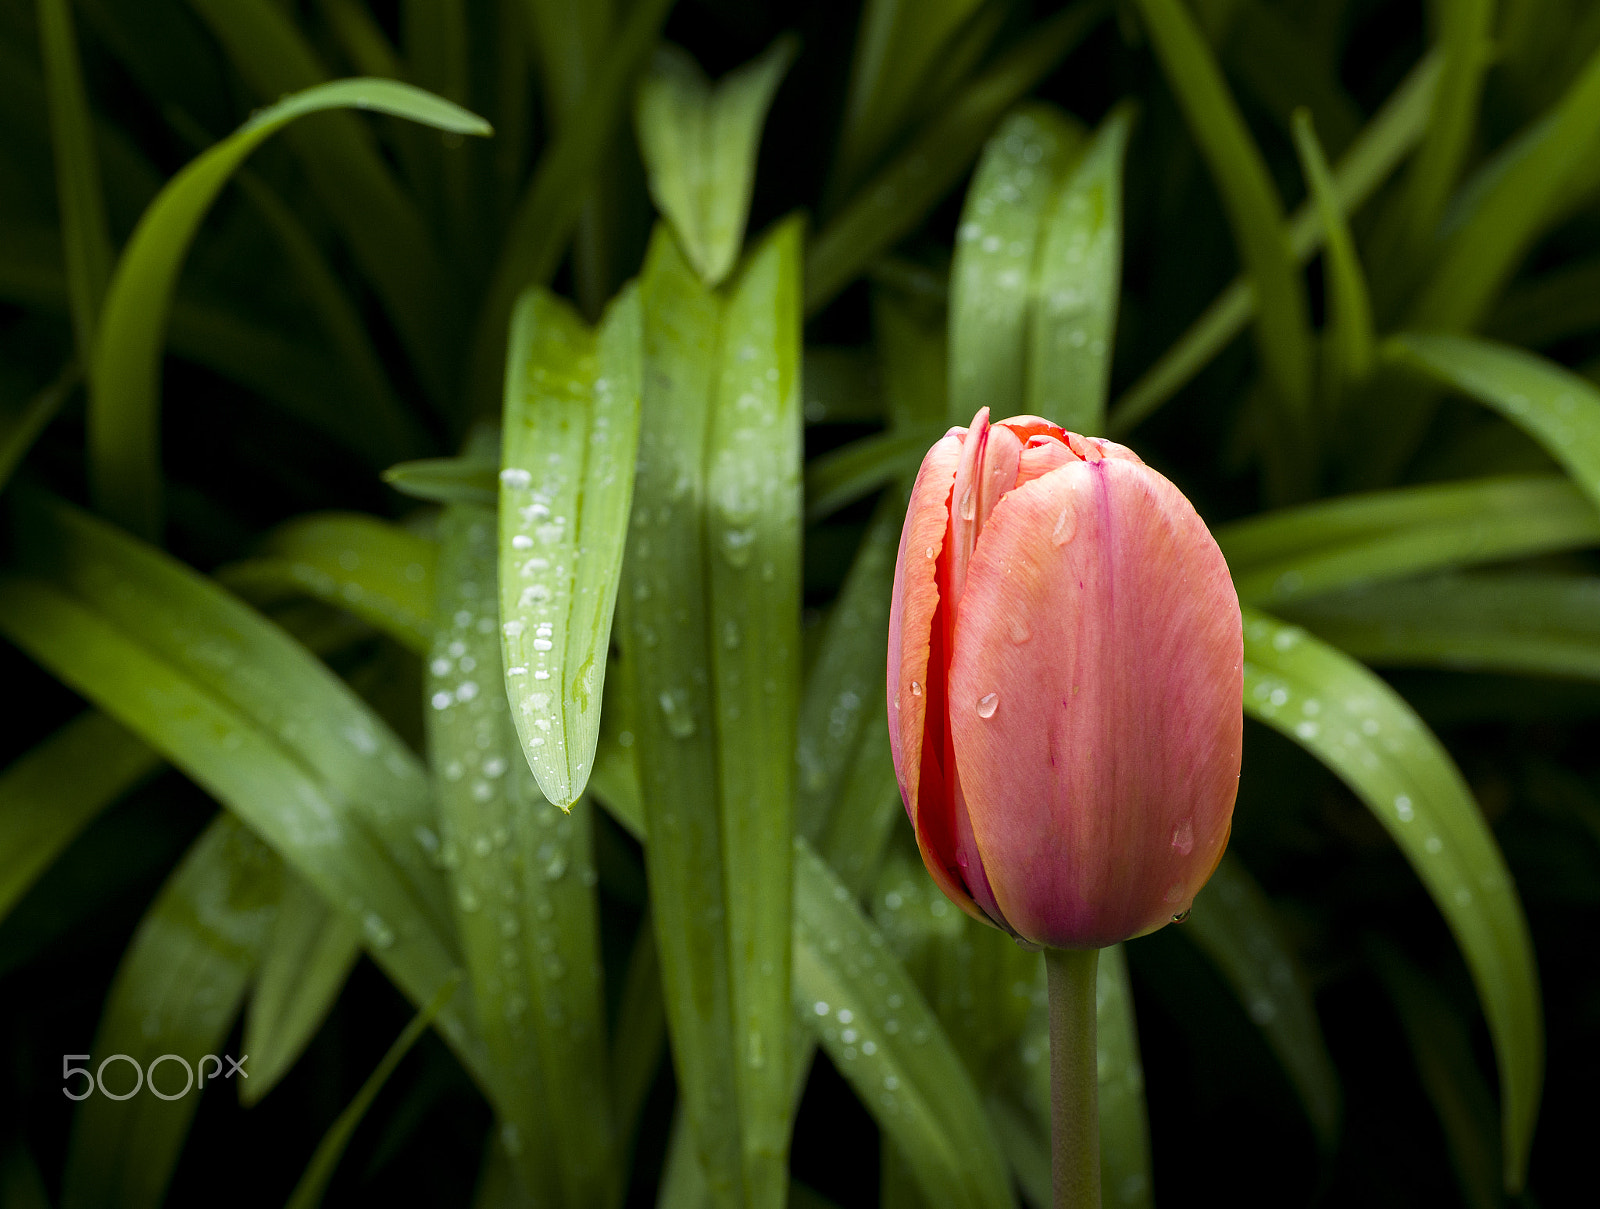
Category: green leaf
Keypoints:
(1551, 404)
(1255, 213)
(571, 434)
(1348, 340)
(307, 958)
(85, 234)
(1234, 924)
(1356, 725)
(1076, 285)
(177, 990)
(386, 233)
(1298, 552)
(124, 378)
(319, 1172)
(844, 475)
(254, 719)
(548, 210)
(1512, 201)
(56, 789)
(1546, 625)
(640, 1033)
(699, 146)
(524, 889)
(377, 571)
(877, 1028)
(752, 491)
(447, 480)
(1385, 141)
(898, 50)
(991, 279)
(897, 198)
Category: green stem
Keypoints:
(1074, 1078)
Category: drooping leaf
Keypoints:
(173, 1002)
(306, 959)
(699, 144)
(1298, 552)
(125, 374)
(55, 790)
(1551, 404)
(1003, 223)
(571, 432)
(1356, 725)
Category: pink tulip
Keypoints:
(1065, 684)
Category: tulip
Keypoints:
(1064, 684)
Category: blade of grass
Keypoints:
(1382, 144)
(306, 959)
(1076, 285)
(448, 480)
(85, 233)
(176, 992)
(844, 475)
(1356, 725)
(752, 491)
(1550, 403)
(666, 616)
(20, 427)
(125, 376)
(899, 196)
(1255, 213)
(1234, 924)
(1347, 341)
(571, 435)
(50, 793)
(991, 278)
(314, 1182)
(699, 145)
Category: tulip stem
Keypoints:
(1074, 1078)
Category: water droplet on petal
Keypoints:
(916, 689)
(1183, 837)
(1020, 633)
(1181, 916)
(969, 506)
(987, 704)
(1066, 525)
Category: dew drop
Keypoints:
(1066, 525)
(1181, 916)
(916, 689)
(1020, 633)
(1183, 837)
(969, 506)
(987, 704)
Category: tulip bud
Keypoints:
(1065, 684)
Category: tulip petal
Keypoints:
(916, 671)
(1095, 694)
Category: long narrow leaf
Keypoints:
(700, 146)
(571, 432)
(1356, 725)
(86, 236)
(125, 375)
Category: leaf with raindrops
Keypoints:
(571, 431)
